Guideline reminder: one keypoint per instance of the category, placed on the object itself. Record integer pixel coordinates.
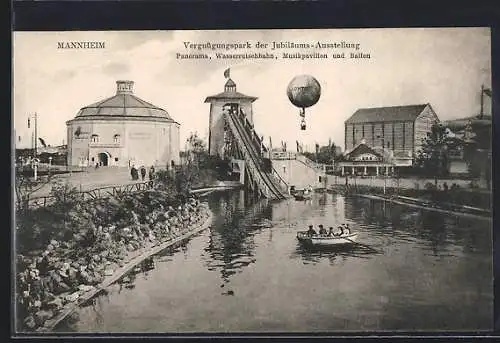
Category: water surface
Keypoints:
(419, 270)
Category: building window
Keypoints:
(116, 159)
(363, 131)
(388, 145)
(92, 159)
(94, 139)
(116, 138)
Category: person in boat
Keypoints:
(339, 231)
(322, 230)
(347, 230)
(331, 231)
(311, 231)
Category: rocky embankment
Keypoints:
(49, 281)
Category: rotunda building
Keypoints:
(123, 130)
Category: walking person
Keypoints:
(151, 175)
(143, 172)
(133, 172)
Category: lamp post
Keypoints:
(35, 117)
(35, 168)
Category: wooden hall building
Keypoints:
(385, 137)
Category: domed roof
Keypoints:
(123, 104)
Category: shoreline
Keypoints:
(130, 262)
(440, 210)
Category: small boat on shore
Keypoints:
(320, 240)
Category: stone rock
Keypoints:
(72, 276)
(49, 297)
(72, 297)
(85, 288)
(98, 278)
(29, 322)
(42, 316)
(57, 303)
(61, 287)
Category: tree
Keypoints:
(432, 156)
(477, 152)
(196, 153)
(196, 159)
(26, 186)
(326, 154)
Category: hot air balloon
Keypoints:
(303, 91)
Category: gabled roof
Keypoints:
(363, 148)
(385, 114)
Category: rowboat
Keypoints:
(301, 195)
(319, 240)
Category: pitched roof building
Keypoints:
(392, 134)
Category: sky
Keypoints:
(444, 67)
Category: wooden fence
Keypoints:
(96, 193)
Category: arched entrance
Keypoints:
(103, 159)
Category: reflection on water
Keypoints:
(314, 254)
(231, 247)
(413, 270)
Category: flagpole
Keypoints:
(482, 102)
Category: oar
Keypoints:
(363, 245)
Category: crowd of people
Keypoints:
(134, 172)
(342, 230)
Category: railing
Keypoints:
(280, 180)
(283, 155)
(288, 155)
(92, 194)
(246, 139)
(246, 155)
(314, 165)
(271, 182)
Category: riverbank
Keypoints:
(134, 259)
(414, 204)
(53, 282)
(453, 199)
